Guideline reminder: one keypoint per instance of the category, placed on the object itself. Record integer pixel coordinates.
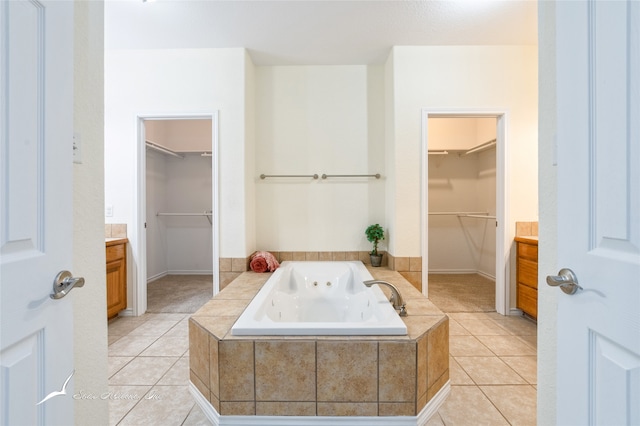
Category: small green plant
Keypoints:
(374, 234)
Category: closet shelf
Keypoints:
(162, 149)
(463, 152)
(476, 215)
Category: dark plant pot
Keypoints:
(376, 259)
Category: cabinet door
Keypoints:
(116, 292)
(528, 300)
(116, 280)
(527, 279)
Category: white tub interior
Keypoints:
(319, 298)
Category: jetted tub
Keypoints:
(319, 298)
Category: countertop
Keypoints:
(115, 241)
(530, 239)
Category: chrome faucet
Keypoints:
(396, 299)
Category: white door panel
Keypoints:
(598, 89)
(36, 130)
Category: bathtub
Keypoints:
(319, 298)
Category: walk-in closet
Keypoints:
(179, 240)
(462, 212)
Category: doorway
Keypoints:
(464, 206)
(177, 218)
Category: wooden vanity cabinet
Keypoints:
(116, 276)
(527, 275)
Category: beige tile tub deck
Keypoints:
(318, 375)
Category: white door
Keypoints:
(36, 140)
(598, 96)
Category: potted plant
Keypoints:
(374, 234)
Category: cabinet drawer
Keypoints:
(528, 272)
(528, 251)
(528, 300)
(115, 252)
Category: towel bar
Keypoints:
(263, 176)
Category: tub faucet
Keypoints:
(396, 299)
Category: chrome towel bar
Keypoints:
(377, 176)
(315, 176)
(263, 176)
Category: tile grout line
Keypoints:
(496, 407)
(139, 356)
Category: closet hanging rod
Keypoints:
(481, 147)
(457, 213)
(437, 152)
(162, 149)
(377, 176)
(205, 214)
(477, 216)
(263, 176)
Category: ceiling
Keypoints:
(317, 32)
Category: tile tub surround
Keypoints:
(317, 375)
(409, 267)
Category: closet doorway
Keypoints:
(464, 199)
(178, 268)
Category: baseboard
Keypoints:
(157, 277)
(126, 313)
(487, 276)
(515, 312)
(421, 419)
(434, 404)
(452, 271)
(189, 272)
(177, 272)
(462, 272)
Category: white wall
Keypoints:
(438, 77)
(182, 81)
(318, 119)
(250, 153)
(548, 229)
(89, 302)
(390, 151)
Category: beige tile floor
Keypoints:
(492, 371)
